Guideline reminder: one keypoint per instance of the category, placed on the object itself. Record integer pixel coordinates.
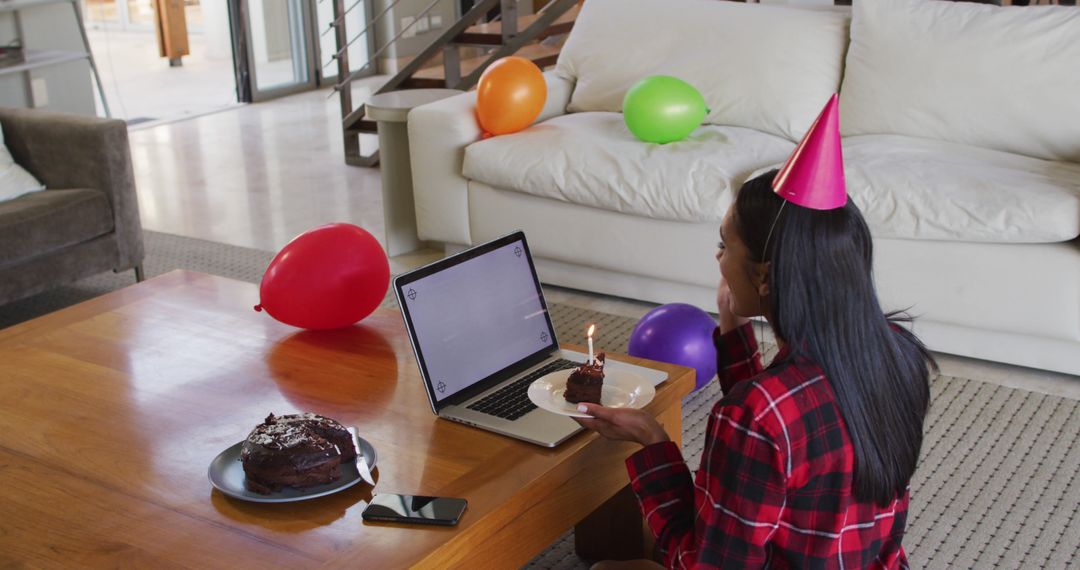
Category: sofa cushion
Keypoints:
(925, 189)
(1006, 78)
(592, 159)
(769, 68)
(41, 222)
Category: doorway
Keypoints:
(237, 51)
(141, 86)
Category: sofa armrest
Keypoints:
(438, 135)
(72, 151)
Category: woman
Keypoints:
(806, 462)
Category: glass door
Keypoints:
(274, 49)
(282, 47)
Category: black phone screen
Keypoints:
(415, 509)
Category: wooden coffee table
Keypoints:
(111, 411)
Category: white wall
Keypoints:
(391, 24)
(68, 85)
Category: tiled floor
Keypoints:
(254, 176)
(260, 174)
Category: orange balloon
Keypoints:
(511, 94)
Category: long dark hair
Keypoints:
(823, 304)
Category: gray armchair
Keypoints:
(87, 219)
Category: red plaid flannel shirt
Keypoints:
(774, 488)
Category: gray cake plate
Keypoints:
(226, 474)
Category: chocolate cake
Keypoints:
(299, 450)
(585, 382)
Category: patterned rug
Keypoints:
(996, 485)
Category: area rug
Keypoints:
(996, 485)
(164, 253)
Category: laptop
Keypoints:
(481, 332)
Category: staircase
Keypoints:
(511, 35)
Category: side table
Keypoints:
(391, 111)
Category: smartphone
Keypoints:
(415, 509)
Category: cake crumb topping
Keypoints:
(287, 431)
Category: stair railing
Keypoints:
(353, 123)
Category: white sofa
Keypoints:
(961, 127)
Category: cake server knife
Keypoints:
(361, 461)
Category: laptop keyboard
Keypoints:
(512, 401)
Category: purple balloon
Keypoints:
(678, 334)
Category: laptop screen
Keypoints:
(476, 314)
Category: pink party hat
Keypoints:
(813, 176)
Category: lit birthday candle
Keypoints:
(592, 328)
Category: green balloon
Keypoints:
(663, 109)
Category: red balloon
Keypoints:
(328, 277)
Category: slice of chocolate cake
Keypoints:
(585, 382)
(299, 450)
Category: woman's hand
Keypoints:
(729, 321)
(624, 424)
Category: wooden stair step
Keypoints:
(424, 82)
(540, 54)
(491, 33)
(362, 126)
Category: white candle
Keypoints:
(591, 329)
